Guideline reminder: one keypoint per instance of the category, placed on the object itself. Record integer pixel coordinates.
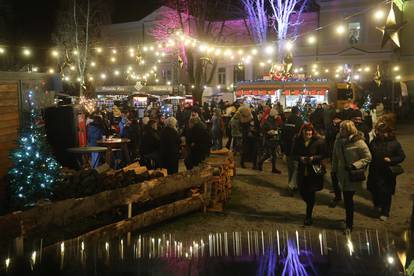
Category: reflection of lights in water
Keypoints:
(62, 247)
(402, 256)
(350, 246)
(297, 242)
(82, 246)
(106, 246)
(7, 262)
(320, 242)
(33, 258)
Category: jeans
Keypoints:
(382, 199)
(335, 186)
(349, 208)
(268, 152)
(217, 141)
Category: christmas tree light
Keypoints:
(35, 170)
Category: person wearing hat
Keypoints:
(386, 152)
(270, 131)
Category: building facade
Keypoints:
(357, 47)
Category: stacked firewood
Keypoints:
(87, 182)
(221, 185)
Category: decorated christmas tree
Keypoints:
(34, 170)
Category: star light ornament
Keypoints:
(391, 29)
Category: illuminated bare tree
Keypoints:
(204, 20)
(257, 17)
(77, 31)
(282, 11)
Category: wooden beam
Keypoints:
(146, 219)
(65, 212)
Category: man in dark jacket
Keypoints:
(198, 141)
(150, 144)
(317, 119)
(291, 128)
(271, 136)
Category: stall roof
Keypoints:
(116, 89)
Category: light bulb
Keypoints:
(340, 29)
(311, 39)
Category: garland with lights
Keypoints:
(35, 170)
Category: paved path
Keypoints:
(260, 202)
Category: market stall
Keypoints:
(288, 93)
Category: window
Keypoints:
(238, 73)
(221, 76)
(354, 32)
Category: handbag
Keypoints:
(397, 169)
(319, 169)
(355, 175)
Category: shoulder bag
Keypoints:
(355, 175)
(397, 169)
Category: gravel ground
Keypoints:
(260, 201)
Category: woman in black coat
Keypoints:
(170, 146)
(150, 144)
(198, 141)
(386, 151)
(309, 151)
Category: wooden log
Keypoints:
(65, 212)
(151, 217)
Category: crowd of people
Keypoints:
(312, 140)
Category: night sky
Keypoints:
(31, 23)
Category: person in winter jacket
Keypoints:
(291, 127)
(250, 137)
(236, 132)
(217, 129)
(95, 131)
(350, 152)
(150, 144)
(170, 146)
(309, 150)
(198, 140)
(386, 152)
(271, 136)
(317, 119)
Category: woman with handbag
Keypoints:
(387, 154)
(350, 159)
(309, 150)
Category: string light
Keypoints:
(269, 49)
(103, 76)
(340, 29)
(51, 71)
(55, 53)
(93, 64)
(379, 14)
(398, 77)
(311, 39)
(289, 46)
(99, 50)
(396, 68)
(2, 50)
(116, 73)
(27, 52)
(113, 59)
(114, 51)
(75, 52)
